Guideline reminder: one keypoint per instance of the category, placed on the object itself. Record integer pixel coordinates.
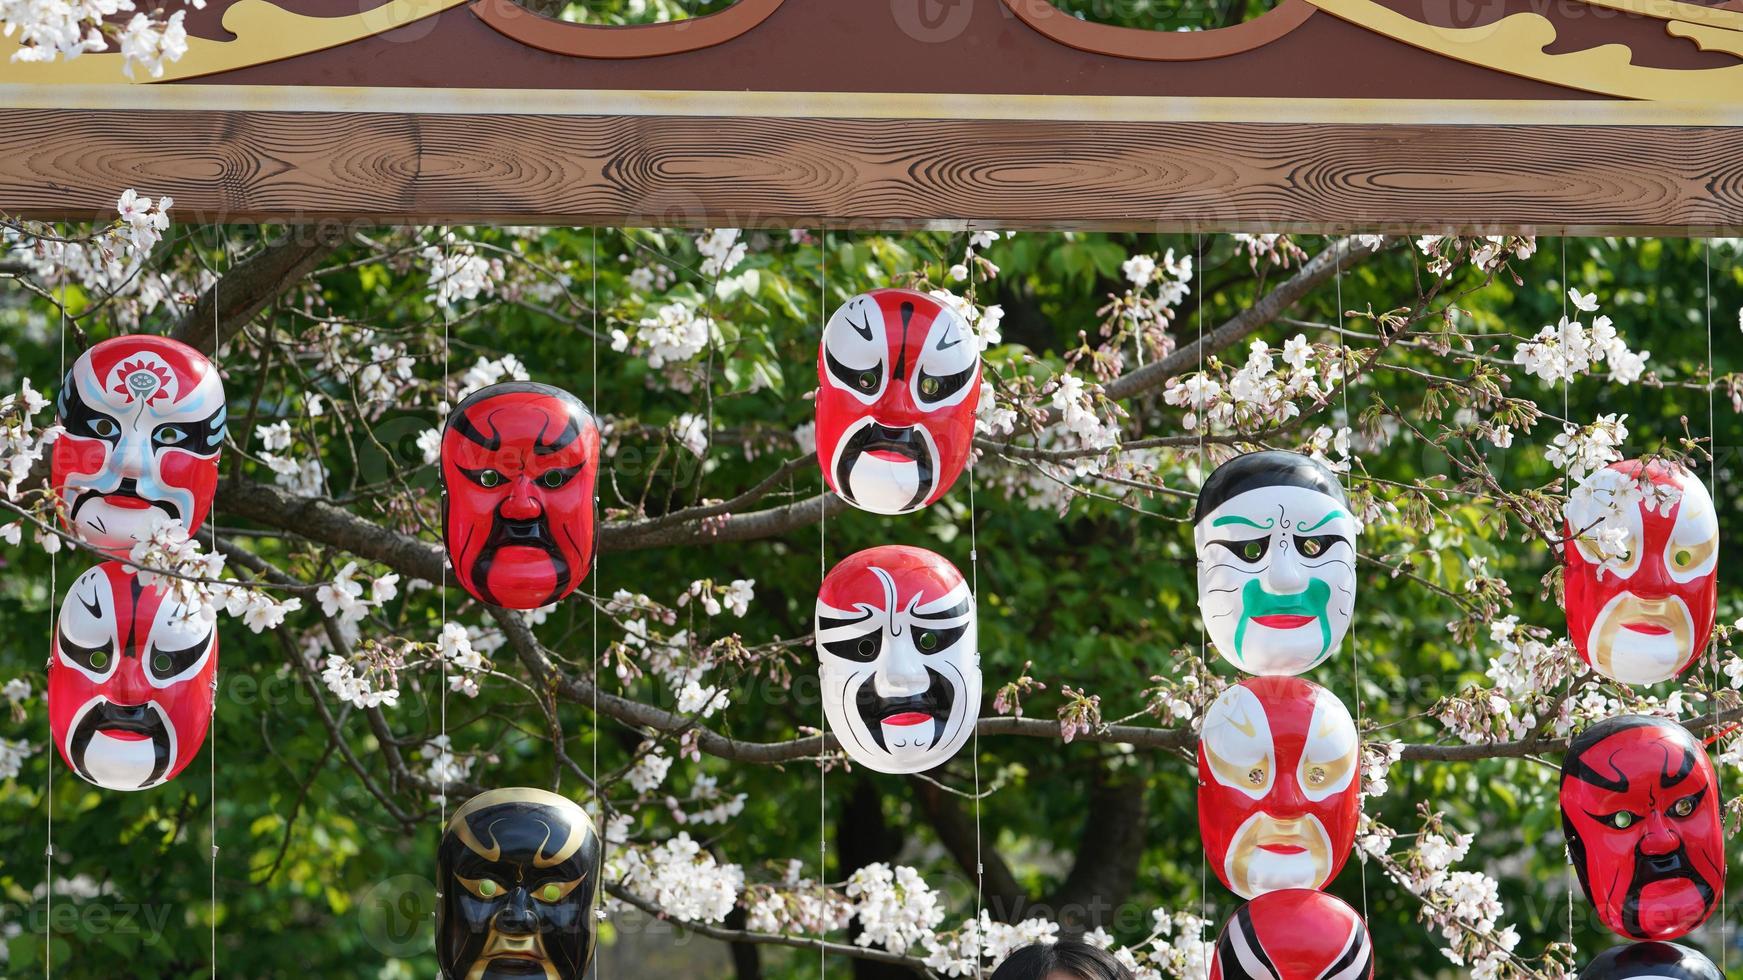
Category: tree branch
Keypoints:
(246, 289)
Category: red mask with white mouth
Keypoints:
(899, 376)
(1641, 810)
(895, 638)
(1641, 570)
(519, 464)
(1278, 796)
(144, 420)
(1294, 934)
(131, 681)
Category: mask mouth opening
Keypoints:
(934, 703)
(528, 532)
(1667, 864)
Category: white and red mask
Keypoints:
(897, 658)
(144, 421)
(1278, 795)
(1641, 811)
(900, 378)
(1641, 570)
(520, 461)
(1651, 961)
(1294, 934)
(131, 681)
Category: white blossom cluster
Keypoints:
(109, 263)
(684, 880)
(669, 338)
(50, 29)
(896, 907)
(1581, 451)
(1263, 392)
(1565, 350)
(458, 273)
(1486, 254)
(721, 251)
(174, 563)
(23, 441)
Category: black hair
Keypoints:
(1079, 959)
(1650, 960)
(1270, 468)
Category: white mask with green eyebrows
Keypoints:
(1276, 562)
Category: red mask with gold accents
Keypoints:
(1640, 807)
(1641, 570)
(131, 681)
(900, 379)
(519, 464)
(1294, 934)
(1278, 794)
(144, 420)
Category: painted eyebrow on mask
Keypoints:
(1270, 522)
(1322, 522)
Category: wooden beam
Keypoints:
(696, 171)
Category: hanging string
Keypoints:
(1203, 466)
(979, 861)
(53, 626)
(212, 726)
(1713, 478)
(445, 302)
(1337, 256)
(1567, 871)
(598, 790)
(822, 717)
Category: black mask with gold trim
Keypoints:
(519, 876)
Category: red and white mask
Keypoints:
(1641, 570)
(1278, 796)
(1294, 934)
(1641, 811)
(900, 378)
(896, 654)
(519, 464)
(144, 420)
(131, 681)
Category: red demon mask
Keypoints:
(144, 420)
(131, 682)
(1640, 808)
(900, 379)
(897, 658)
(1278, 797)
(1642, 570)
(519, 465)
(1294, 934)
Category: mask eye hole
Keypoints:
(99, 659)
(161, 663)
(1685, 806)
(929, 386)
(550, 893)
(1316, 775)
(867, 647)
(1253, 550)
(489, 478)
(1256, 775)
(928, 641)
(553, 479)
(867, 381)
(1621, 820)
(170, 435)
(105, 428)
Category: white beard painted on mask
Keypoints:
(900, 672)
(1276, 565)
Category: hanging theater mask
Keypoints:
(519, 465)
(1651, 961)
(1276, 561)
(144, 421)
(1641, 810)
(1294, 934)
(1278, 797)
(897, 658)
(899, 376)
(1641, 570)
(518, 870)
(131, 680)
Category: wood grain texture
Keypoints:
(775, 172)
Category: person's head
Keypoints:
(1067, 959)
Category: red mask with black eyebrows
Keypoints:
(1294, 934)
(131, 680)
(519, 464)
(1640, 807)
(1641, 616)
(899, 376)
